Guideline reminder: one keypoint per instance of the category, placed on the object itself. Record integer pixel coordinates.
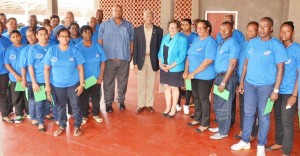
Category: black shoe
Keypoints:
(122, 106)
(166, 114)
(192, 116)
(109, 109)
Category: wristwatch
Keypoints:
(223, 84)
(276, 90)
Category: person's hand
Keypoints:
(24, 84)
(221, 88)
(48, 91)
(274, 96)
(35, 87)
(99, 80)
(185, 75)
(18, 77)
(164, 67)
(79, 89)
(291, 101)
(241, 88)
(191, 75)
(135, 69)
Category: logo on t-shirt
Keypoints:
(97, 55)
(288, 61)
(199, 49)
(39, 56)
(53, 59)
(12, 57)
(71, 59)
(221, 51)
(250, 51)
(268, 52)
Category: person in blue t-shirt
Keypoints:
(171, 58)
(226, 79)
(75, 36)
(186, 26)
(99, 18)
(94, 66)
(237, 35)
(11, 25)
(285, 106)
(252, 28)
(65, 64)
(92, 24)
(3, 20)
(32, 20)
(260, 81)
(200, 69)
(68, 19)
(12, 57)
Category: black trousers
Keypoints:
(18, 100)
(4, 107)
(95, 93)
(201, 90)
(284, 123)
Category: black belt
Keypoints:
(221, 74)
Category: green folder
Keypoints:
(26, 93)
(19, 87)
(188, 84)
(269, 106)
(224, 94)
(41, 95)
(90, 82)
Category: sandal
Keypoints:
(59, 131)
(98, 119)
(49, 117)
(84, 120)
(7, 119)
(77, 132)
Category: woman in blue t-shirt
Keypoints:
(74, 32)
(285, 107)
(199, 67)
(94, 66)
(65, 64)
(12, 60)
(260, 81)
(171, 57)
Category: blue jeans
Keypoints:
(62, 95)
(256, 97)
(222, 107)
(36, 108)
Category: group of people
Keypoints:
(60, 59)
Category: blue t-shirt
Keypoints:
(93, 57)
(262, 59)
(190, 38)
(198, 52)
(2, 67)
(12, 57)
(24, 29)
(24, 60)
(237, 35)
(242, 58)
(74, 41)
(5, 42)
(36, 58)
(95, 36)
(225, 52)
(64, 65)
(290, 69)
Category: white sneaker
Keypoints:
(186, 109)
(260, 151)
(240, 145)
(214, 130)
(178, 108)
(218, 136)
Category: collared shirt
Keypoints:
(116, 39)
(262, 59)
(148, 35)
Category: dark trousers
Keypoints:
(255, 123)
(62, 95)
(4, 108)
(18, 100)
(115, 69)
(95, 93)
(201, 90)
(233, 110)
(284, 123)
(187, 95)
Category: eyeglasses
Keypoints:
(64, 36)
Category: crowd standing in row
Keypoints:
(58, 59)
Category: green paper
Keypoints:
(224, 94)
(188, 84)
(41, 95)
(269, 106)
(90, 82)
(19, 87)
(26, 93)
(8, 83)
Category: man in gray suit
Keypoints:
(147, 39)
